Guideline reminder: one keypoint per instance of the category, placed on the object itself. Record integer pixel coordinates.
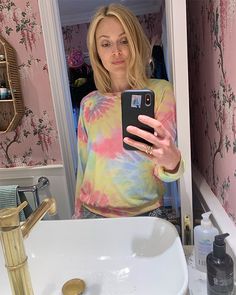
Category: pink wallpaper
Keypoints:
(212, 72)
(35, 141)
(75, 37)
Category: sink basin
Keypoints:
(114, 256)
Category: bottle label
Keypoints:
(203, 248)
(227, 281)
(220, 285)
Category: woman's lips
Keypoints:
(118, 62)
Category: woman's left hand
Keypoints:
(162, 149)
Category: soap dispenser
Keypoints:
(220, 269)
(204, 235)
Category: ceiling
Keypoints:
(80, 11)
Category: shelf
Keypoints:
(11, 110)
(5, 100)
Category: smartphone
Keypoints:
(135, 103)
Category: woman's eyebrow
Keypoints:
(103, 36)
(106, 36)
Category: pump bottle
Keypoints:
(204, 235)
(220, 269)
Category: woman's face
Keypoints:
(112, 46)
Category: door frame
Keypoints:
(177, 44)
(58, 77)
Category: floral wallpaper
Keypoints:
(212, 72)
(35, 140)
(75, 37)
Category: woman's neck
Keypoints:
(119, 84)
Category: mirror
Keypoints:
(176, 34)
(45, 17)
(75, 17)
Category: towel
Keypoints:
(9, 198)
(28, 209)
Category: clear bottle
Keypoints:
(220, 269)
(3, 90)
(204, 235)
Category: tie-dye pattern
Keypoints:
(112, 181)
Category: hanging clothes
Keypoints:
(158, 63)
(81, 83)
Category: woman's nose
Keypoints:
(116, 49)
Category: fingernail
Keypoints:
(141, 117)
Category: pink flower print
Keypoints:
(223, 19)
(14, 18)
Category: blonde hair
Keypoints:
(139, 46)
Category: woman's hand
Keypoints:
(162, 149)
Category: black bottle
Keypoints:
(220, 269)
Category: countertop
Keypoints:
(197, 279)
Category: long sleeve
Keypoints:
(166, 114)
(82, 159)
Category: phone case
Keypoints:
(133, 104)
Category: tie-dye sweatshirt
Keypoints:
(112, 181)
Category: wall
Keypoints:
(35, 142)
(212, 72)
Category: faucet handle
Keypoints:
(9, 217)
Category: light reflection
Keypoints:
(123, 273)
(104, 258)
(32, 255)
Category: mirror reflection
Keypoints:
(82, 82)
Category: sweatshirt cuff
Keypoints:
(169, 177)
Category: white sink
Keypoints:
(114, 256)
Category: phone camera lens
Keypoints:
(148, 100)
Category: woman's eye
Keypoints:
(106, 44)
(124, 41)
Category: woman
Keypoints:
(112, 181)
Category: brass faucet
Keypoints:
(12, 233)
